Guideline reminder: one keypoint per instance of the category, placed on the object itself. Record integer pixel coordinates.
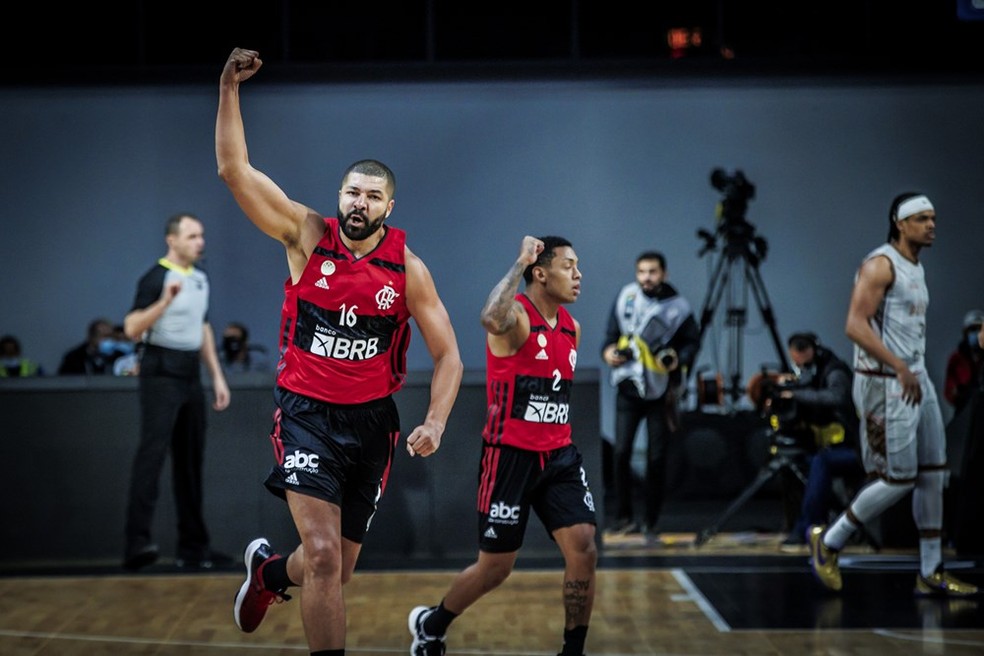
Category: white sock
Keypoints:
(927, 500)
(871, 501)
(839, 532)
(930, 555)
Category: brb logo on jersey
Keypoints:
(541, 410)
(329, 344)
(542, 400)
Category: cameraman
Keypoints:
(651, 339)
(823, 413)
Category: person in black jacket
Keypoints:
(822, 410)
(965, 364)
(96, 355)
(238, 354)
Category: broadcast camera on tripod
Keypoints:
(788, 444)
(742, 251)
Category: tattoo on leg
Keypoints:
(576, 593)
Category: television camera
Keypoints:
(737, 191)
(737, 233)
(736, 272)
(666, 357)
(771, 401)
(788, 443)
(766, 390)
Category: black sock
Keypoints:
(275, 575)
(574, 641)
(328, 652)
(437, 623)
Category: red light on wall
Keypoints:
(682, 39)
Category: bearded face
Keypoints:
(650, 275)
(356, 225)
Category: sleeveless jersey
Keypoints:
(529, 392)
(900, 320)
(344, 328)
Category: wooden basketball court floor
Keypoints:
(736, 594)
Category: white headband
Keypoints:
(914, 205)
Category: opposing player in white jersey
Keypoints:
(903, 441)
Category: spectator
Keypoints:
(12, 363)
(237, 354)
(963, 368)
(96, 355)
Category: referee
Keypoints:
(170, 318)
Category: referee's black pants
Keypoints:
(172, 416)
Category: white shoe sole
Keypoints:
(244, 588)
(412, 625)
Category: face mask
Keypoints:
(109, 347)
(232, 346)
(972, 340)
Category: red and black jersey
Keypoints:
(344, 328)
(529, 392)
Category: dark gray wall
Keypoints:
(91, 173)
(68, 445)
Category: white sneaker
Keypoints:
(423, 644)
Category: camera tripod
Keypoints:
(785, 457)
(737, 270)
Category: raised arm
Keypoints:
(296, 226)
(503, 317)
(434, 324)
(138, 321)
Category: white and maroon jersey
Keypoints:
(344, 328)
(900, 320)
(529, 392)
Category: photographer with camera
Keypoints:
(815, 408)
(651, 341)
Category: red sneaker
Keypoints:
(254, 598)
